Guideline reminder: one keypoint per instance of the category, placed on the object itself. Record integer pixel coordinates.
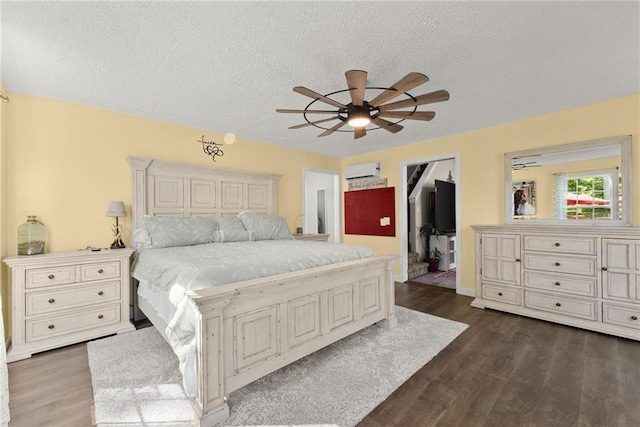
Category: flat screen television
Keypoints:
(445, 207)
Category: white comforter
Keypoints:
(178, 270)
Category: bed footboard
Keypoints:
(248, 330)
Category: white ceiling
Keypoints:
(226, 66)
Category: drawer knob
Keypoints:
(51, 326)
(51, 301)
(557, 264)
(557, 283)
(100, 293)
(517, 259)
(604, 268)
(100, 271)
(557, 244)
(100, 316)
(634, 317)
(51, 276)
(558, 304)
(500, 293)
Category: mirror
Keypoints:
(584, 183)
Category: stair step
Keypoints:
(417, 269)
(413, 257)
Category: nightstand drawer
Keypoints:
(54, 326)
(104, 270)
(41, 277)
(584, 309)
(621, 315)
(52, 300)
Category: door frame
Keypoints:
(337, 189)
(404, 207)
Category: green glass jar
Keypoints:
(32, 237)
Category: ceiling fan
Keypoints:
(359, 113)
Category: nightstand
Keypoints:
(312, 237)
(67, 297)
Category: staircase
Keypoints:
(414, 177)
(416, 268)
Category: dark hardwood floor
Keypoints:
(504, 370)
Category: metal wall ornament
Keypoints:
(214, 149)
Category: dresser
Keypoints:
(578, 276)
(67, 297)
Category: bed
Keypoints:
(245, 327)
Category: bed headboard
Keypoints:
(165, 188)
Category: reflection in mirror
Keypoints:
(578, 183)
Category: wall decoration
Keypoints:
(524, 198)
(367, 183)
(211, 148)
(370, 212)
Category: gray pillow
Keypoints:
(228, 223)
(266, 227)
(222, 236)
(166, 231)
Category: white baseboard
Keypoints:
(466, 292)
(397, 278)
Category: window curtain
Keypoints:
(560, 195)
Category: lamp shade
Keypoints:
(116, 209)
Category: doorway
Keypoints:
(418, 210)
(321, 203)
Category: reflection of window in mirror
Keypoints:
(592, 196)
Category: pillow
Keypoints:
(222, 236)
(266, 227)
(228, 223)
(166, 231)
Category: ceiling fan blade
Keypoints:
(313, 123)
(429, 98)
(415, 115)
(333, 129)
(405, 84)
(387, 125)
(315, 95)
(359, 132)
(357, 82)
(280, 110)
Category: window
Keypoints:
(594, 195)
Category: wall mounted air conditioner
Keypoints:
(364, 170)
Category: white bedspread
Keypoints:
(176, 271)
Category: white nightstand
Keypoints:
(67, 297)
(312, 237)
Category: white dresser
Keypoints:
(579, 276)
(67, 297)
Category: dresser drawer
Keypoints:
(554, 303)
(46, 301)
(502, 294)
(585, 286)
(621, 315)
(41, 277)
(53, 326)
(572, 245)
(103, 270)
(561, 264)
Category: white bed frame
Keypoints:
(249, 329)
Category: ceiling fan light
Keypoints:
(358, 119)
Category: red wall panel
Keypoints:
(363, 210)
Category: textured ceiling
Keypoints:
(226, 66)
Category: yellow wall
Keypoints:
(482, 165)
(67, 161)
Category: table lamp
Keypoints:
(116, 210)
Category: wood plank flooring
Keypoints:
(504, 370)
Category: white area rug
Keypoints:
(136, 381)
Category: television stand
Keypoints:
(446, 244)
